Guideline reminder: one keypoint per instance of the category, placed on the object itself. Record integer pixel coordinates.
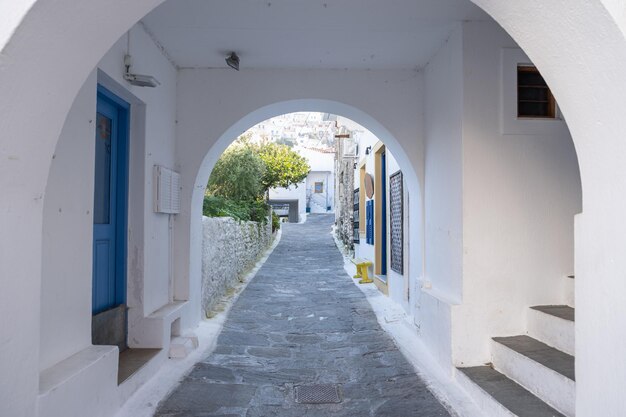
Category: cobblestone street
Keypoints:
(301, 322)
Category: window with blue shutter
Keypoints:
(369, 222)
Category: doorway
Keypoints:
(109, 324)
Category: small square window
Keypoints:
(534, 98)
(319, 187)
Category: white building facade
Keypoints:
(495, 216)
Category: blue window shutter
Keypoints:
(369, 222)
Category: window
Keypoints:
(396, 213)
(534, 98)
(369, 220)
(319, 187)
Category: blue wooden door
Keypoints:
(110, 201)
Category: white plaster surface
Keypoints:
(67, 235)
(229, 249)
(443, 198)
(520, 195)
(68, 218)
(93, 369)
(292, 193)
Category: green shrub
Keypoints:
(236, 175)
(275, 222)
(216, 206)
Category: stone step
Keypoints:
(553, 325)
(499, 396)
(182, 346)
(543, 370)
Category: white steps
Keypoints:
(554, 325)
(530, 375)
(543, 370)
(498, 396)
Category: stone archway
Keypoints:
(578, 46)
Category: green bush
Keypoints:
(236, 175)
(275, 222)
(215, 206)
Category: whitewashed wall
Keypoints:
(443, 205)
(68, 219)
(399, 284)
(318, 161)
(521, 192)
(218, 105)
(292, 193)
(229, 249)
(501, 196)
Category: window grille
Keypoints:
(534, 98)
(396, 220)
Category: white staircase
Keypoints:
(531, 375)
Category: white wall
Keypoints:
(399, 285)
(365, 139)
(500, 199)
(158, 139)
(319, 202)
(520, 194)
(318, 161)
(292, 193)
(218, 105)
(67, 233)
(443, 201)
(68, 220)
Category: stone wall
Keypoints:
(344, 192)
(229, 249)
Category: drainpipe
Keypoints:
(327, 174)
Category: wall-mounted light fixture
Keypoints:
(233, 61)
(139, 80)
(368, 150)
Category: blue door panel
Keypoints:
(110, 202)
(383, 226)
(104, 284)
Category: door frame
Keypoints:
(380, 211)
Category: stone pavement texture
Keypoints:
(301, 321)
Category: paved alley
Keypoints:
(302, 322)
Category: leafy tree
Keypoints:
(283, 166)
(245, 172)
(236, 174)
